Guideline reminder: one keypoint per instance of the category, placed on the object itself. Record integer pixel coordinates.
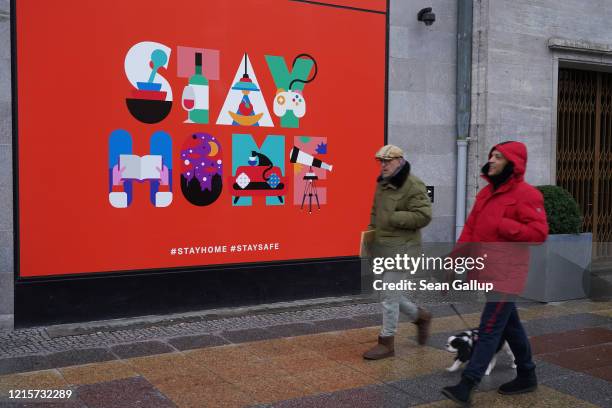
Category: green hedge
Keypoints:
(562, 210)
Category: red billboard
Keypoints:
(155, 135)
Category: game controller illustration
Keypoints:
(289, 103)
(289, 100)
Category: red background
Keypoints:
(71, 95)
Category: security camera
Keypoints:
(426, 16)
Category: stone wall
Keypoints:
(422, 71)
(515, 74)
(6, 171)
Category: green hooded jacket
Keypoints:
(401, 208)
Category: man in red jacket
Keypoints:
(507, 215)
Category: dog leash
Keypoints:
(459, 314)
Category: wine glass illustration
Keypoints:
(188, 101)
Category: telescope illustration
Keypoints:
(310, 188)
(298, 156)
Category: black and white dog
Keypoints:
(463, 343)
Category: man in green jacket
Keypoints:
(401, 208)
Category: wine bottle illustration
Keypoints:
(198, 84)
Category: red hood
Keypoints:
(516, 152)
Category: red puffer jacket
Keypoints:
(501, 224)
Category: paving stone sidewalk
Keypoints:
(299, 358)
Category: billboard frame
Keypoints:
(73, 298)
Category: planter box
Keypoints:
(559, 269)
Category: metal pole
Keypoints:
(463, 106)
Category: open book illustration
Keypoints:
(140, 168)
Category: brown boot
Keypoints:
(423, 322)
(384, 348)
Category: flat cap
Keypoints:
(389, 151)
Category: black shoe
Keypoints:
(461, 393)
(524, 382)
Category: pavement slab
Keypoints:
(571, 339)
(304, 361)
(583, 307)
(337, 378)
(363, 335)
(292, 329)
(171, 367)
(369, 320)
(338, 324)
(195, 342)
(76, 357)
(543, 311)
(546, 370)
(139, 349)
(275, 388)
(126, 393)
(306, 358)
(73, 403)
(371, 396)
(424, 361)
(273, 348)
(605, 373)
(564, 323)
(584, 387)
(543, 397)
(23, 364)
(247, 335)
(217, 395)
(97, 372)
(240, 371)
(582, 358)
(606, 313)
(45, 379)
(324, 341)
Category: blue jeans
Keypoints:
(394, 302)
(499, 321)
